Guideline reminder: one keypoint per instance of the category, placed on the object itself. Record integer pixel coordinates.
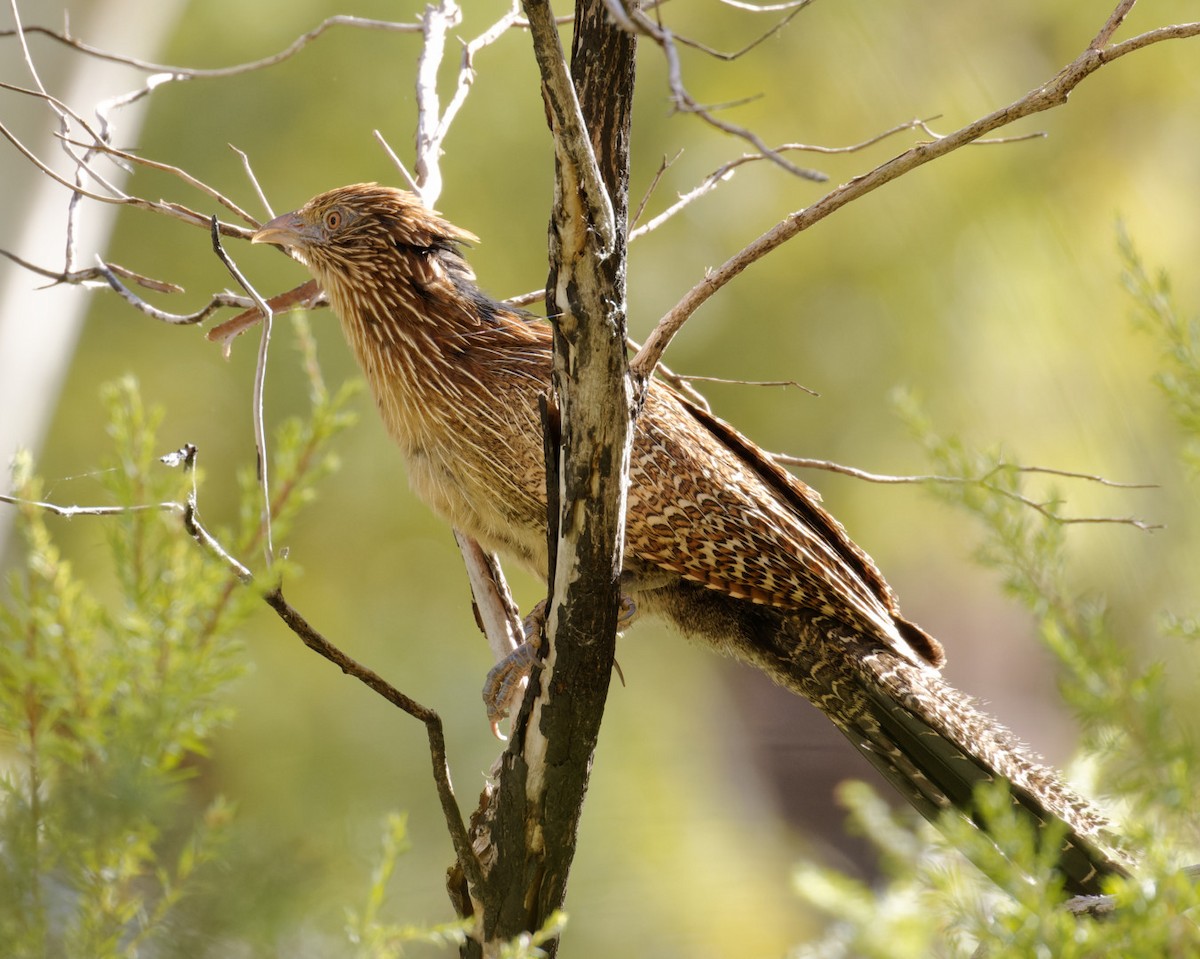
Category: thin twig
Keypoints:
(692, 378)
(176, 210)
(306, 296)
(635, 20)
(433, 124)
(767, 7)
(704, 48)
(725, 172)
(94, 276)
(1112, 24)
(260, 377)
(433, 727)
(218, 301)
(436, 22)
(663, 166)
(211, 192)
(193, 73)
(250, 175)
(399, 164)
(984, 481)
(525, 299)
(70, 512)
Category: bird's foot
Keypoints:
(508, 678)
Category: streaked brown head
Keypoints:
(354, 234)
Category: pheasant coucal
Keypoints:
(719, 540)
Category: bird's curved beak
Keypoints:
(288, 230)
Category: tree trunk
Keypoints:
(530, 822)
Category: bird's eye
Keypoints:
(333, 219)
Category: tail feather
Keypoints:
(933, 744)
(930, 741)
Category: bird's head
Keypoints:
(354, 233)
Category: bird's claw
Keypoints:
(508, 678)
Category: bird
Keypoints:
(731, 548)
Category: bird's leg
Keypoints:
(507, 679)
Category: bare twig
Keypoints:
(260, 378)
(525, 299)
(399, 164)
(436, 22)
(1051, 94)
(433, 124)
(985, 481)
(250, 175)
(192, 73)
(70, 512)
(217, 302)
(663, 166)
(635, 20)
(1112, 24)
(725, 172)
(306, 296)
(766, 7)
(692, 378)
(94, 276)
(792, 10)
(209, 191)
(433, 727)
(176, 210)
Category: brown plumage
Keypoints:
(731, 548)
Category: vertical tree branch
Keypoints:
(544, 774)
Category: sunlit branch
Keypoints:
(195, 73)
(1051, 94)
(985, 482)
(260, 377)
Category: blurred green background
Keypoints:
(988, 282)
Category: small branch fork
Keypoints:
(630, 16)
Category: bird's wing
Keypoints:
(707, 503)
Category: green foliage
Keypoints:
(1136, 745)
(375, 939)
(110, 694)
(1179, 340)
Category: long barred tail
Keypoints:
(936, 747)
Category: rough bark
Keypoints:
(533, 820)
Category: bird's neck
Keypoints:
(456, 378)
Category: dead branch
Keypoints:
(306, 296)
(195, 73)
(696, 378)
(218, 301)
(634, 20)
(94, 276)
(260, 378)
(1046, 509)
(1052, 94)
(791, 9)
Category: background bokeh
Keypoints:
(988, 282)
